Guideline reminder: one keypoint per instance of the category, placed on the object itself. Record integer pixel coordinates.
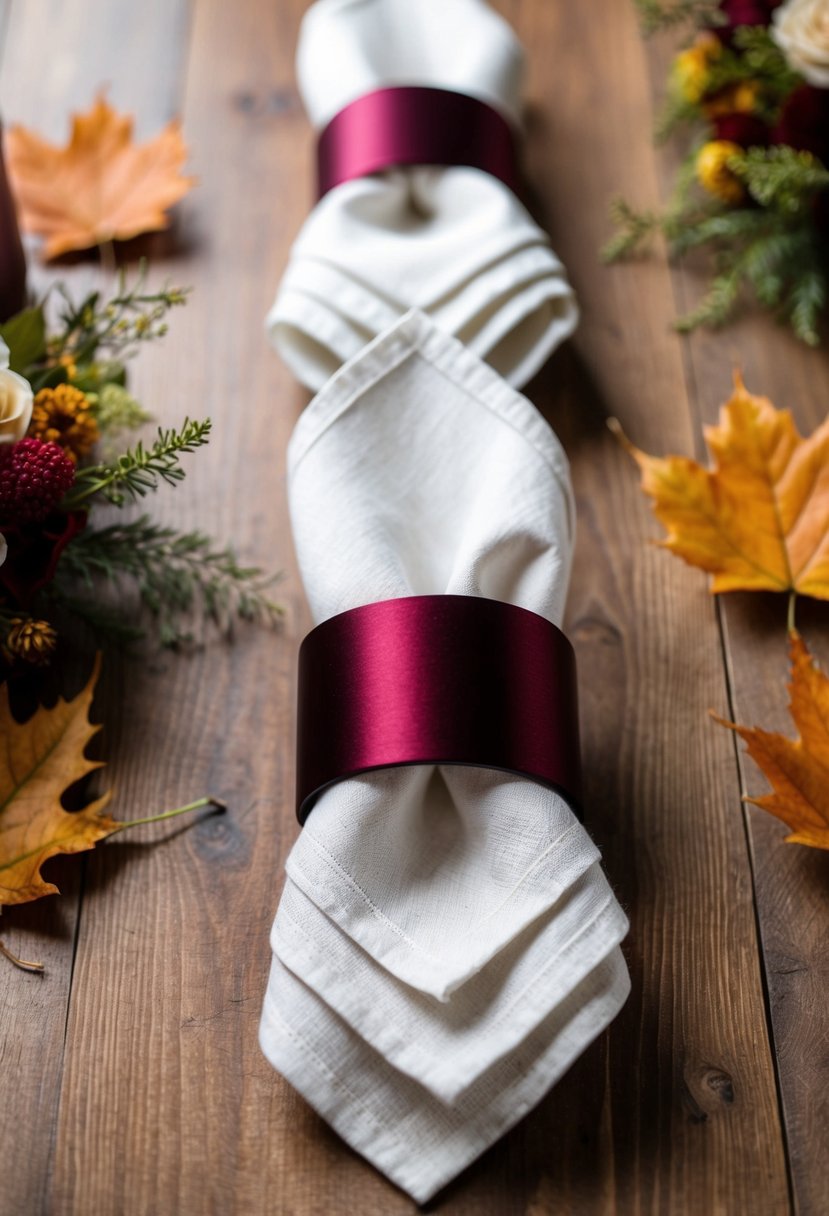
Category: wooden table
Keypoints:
(131, 1078)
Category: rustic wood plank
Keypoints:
(789, 880)
(165, 1078)
(166, 1102)
(85, 46)
(689, 1090)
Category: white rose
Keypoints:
(801, 30)
(15, 401)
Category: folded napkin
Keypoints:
(446, 943)
(453, 242)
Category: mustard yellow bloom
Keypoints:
(63, 415)
(738, 98)
(713, 171)
(67, 362)
(691, 68)
(32, 641)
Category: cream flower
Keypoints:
(801, 30)
(15, 401)
(4, 548)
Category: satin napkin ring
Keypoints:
(437, 679)
(415, 125)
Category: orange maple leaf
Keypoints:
(39, 760)
(759, 519)
(797, 769)
(101, 186)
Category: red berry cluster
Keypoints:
(34, 476)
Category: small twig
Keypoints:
(22, 963)
(790, 621)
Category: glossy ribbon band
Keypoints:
(414, 125)
(437, 679)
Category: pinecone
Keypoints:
(34, 476)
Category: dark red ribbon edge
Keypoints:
(415, 125)
(454, 680)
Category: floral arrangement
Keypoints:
(753, 89)
(64, 406)
(73, 568)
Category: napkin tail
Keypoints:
(417, 1141)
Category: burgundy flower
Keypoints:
(804, 122)
(12, 261)
(34, 476)
(34, 551)
(747, 130)
(743, 12)
(748, 12)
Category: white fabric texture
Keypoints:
(416, 1140)
(446, 944)
(453, 242)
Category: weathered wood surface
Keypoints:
(131, 1078)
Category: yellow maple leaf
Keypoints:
(39, 760)
(797, 769)
(101, 186)
(759, 519)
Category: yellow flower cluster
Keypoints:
(740, 98)
(32, 641)
(691, 69)
(63, 415)
(714, 174)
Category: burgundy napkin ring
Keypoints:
(415, 125)
(437, 679)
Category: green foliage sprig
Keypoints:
(139, 470)
(181, 580)
(756, 213)
(175, 573)
(656, 15)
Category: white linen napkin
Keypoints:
(446, 943)
(453, 242)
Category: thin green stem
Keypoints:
(216, 803)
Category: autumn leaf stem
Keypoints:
(216, 803)
(790, 621)
(106, 252)
(22, 963)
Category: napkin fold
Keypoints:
(418, 1141)
(446, 944)
(453, 242)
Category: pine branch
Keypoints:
(139, 469)
(718, 304)
(176, 575)
(806, 303)
(635, 230)
(655, 15)
(718, 226)
(674, 111)
(780, 177)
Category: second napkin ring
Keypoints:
(437, 679)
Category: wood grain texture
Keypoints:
(86, 48)
(692, 1085)
(790, 881)
(164, 1103)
